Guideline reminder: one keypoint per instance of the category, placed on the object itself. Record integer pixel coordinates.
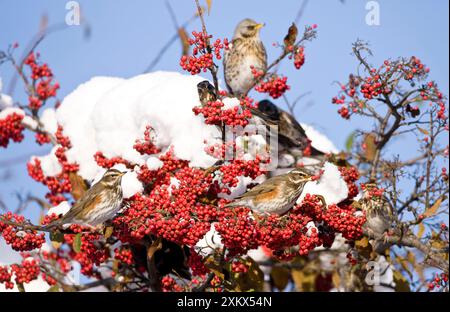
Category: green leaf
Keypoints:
(349, 141)
(54, 288)
(77, 243)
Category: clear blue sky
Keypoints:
(126, 36)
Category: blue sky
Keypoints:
(127, 35)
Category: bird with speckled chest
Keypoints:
(245, 50)
(99, 204)
(275, 195)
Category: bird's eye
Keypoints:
(250, 27)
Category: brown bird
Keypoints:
(206, 92)
(379, 215)
(245, 50)
(291, 135)
(99, 204)
(275, 195)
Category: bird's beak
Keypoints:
(258, 26)
(122, 173)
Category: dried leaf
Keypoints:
(370, 150)
(421, 230)
(108, 231)
(304, 281)
(280, 277)
(43, 23)
(214, 266)
(154, 247)
(336, 279)
(291, 36)
(404, 264)
(54, 288)
(184, 38)
(363, 247)
(253, 279)
(411, 258)
(79, 186)
(76, 245)
(423, 131)
(209, 3)
(401, 284)
(433, 209)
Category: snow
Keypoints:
(5, 100)
(61, 209)
(209, 242)
(318, 140)
(153, 163)
(48, 120)
(131, 185)
(108, 114)
(49, 163)
(330, 185)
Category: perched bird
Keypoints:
(99, 204)
(206, 92)
(379, 215)
(245, 50)
(275, 195)
(291, 134)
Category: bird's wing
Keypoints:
(88, 202)
(267, 186)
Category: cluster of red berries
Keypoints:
(89, 255)
(26, 272)
(202, 58)
(42, 77)
(170, 285)
(275, 86)
(42, 138)
(5, 277)
(57, 185)
(196, 264)
(146, 146)
(19, 240)
(124, 255)
(298, 55)
(350, 176)
(239, 267)
(214, 113)
(11, 128)
(438, 281)
(107, 163)
(61, 139)
(373, 191)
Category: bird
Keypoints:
(291, 135)
(206, 92)
(379, 215)
(276, 195)
(246, 50)
(99, 204)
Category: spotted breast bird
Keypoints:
(291, 134)
(276, 195)
(99, 204)
(379, 215)
(245, 51)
